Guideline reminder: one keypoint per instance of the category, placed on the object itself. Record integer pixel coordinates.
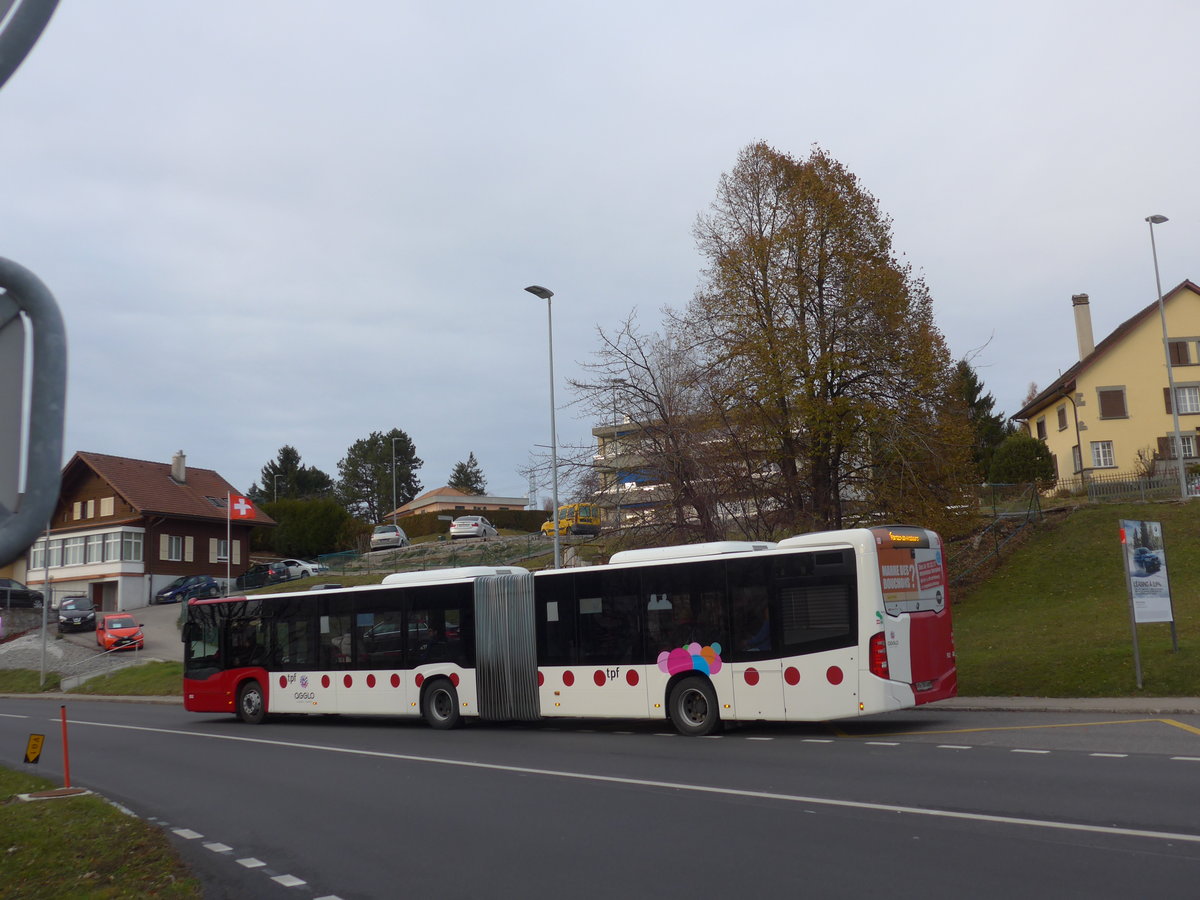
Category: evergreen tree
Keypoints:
(988, 429)
(468, 477)
(374, 467)
(285, 478)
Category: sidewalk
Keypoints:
(1138, 706)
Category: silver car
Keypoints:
(472, 527)
(388, 536)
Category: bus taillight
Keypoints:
(878, 657)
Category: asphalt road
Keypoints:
(917, 804)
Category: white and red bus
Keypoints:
(816, 627)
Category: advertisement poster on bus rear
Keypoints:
(1146, 571)
(912, 579)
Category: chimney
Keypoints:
(179, 468)
(1083, 325)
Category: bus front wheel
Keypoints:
(439, 705)
(251, 705)
(693, 707)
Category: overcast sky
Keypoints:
(287, 222)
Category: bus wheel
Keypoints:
(439, 705)
(251, 707)
(693, 707)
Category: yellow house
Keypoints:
(1111, 412)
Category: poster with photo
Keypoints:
(1146, 571)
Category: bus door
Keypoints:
(687, 626)
(755, 668)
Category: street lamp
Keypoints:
(394, 439)
(277, 477)
(545, 294)
(1162, 316)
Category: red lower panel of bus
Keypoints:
(934, 668)
(219, 692)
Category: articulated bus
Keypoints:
(816, 627)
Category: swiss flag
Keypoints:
(240, 507)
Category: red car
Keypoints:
(119, 631)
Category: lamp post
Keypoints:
(394, 439)
(277, 477)
(545, 294)
(1162, 316)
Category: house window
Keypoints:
(95, 548)
(1179, 353)
(1076, 458)
(174, 548)
(91, 509)
(1062, 418)
(73, 551)
(1102, 455)
(56, 554)
(1166, 446)
(1187, 399)
(112, 546)
(1041, 428)
(37, 555)
(131, 544)
(1112, 402)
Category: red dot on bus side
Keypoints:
(599, 677)
(791, 675)
(370, 681)
(325, 681)
(454, 679)
(568, 678)
(834, 674)
(283, 681)
(347, 680)
(751, 676)
(541, 678)
(419, 680)
(395, 680)
(631, 676)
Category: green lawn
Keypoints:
(1053, 620)
(82, 847)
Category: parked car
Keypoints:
(388, 536)
(472, 527)
(185, 587)
(76, 613)
(13, 593)
(261, 574)
(298, 568)
(119, 631)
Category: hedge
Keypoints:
(527, 520)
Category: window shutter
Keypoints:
(1164, 448)
(1112, 404)
(1167, 398)
(164, 546)
(212, 550)
(1179, 353)
(237, 553)
(188, 552)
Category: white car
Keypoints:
(298, 568)
(388, 536)
(472, 527)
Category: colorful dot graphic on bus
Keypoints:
(691, 656)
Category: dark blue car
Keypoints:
(185, 587)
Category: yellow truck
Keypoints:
(575, 518)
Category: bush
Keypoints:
(527, 520)
(1021, 458)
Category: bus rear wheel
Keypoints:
(692, 707)
(251, 705)
(439, 705)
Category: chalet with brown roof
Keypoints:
(125, 528)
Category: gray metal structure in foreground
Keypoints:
(25, 300)
(505, 651)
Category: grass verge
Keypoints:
(82, 847)
(152, 679)
(1053, 619)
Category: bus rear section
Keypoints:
(913, 642)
